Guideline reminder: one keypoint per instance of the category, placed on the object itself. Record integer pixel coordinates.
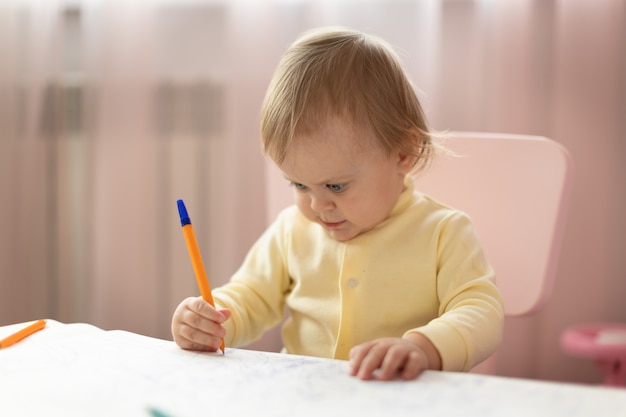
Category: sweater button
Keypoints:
(352, 282)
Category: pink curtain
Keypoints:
(112, 110)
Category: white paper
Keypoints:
(83, 371)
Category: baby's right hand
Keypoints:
(197, 325)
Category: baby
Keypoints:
(370, 269)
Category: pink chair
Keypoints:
(515, 188)
(605, 343)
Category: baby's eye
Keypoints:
(299, 186)
(336, 188)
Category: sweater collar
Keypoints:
(406, 197)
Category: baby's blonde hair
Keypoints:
(332, 72)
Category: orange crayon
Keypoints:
(21, 334)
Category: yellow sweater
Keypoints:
(422, 269)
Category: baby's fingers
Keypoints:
(196, 325)
(407, 364)
(365, 359)
(204, 309)
(386, 359)
(414, 366)
(194, 339)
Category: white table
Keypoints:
(80, 370)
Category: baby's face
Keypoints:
(342, 181)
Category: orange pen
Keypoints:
(196, 257)
(21, 334)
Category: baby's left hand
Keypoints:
(384, 359)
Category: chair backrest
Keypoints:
(515, 188)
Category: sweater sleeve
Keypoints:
(471, 314)
(256, 292)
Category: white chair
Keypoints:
(516, 189)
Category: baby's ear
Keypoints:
(405, 162)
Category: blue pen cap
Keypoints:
(182, 212)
